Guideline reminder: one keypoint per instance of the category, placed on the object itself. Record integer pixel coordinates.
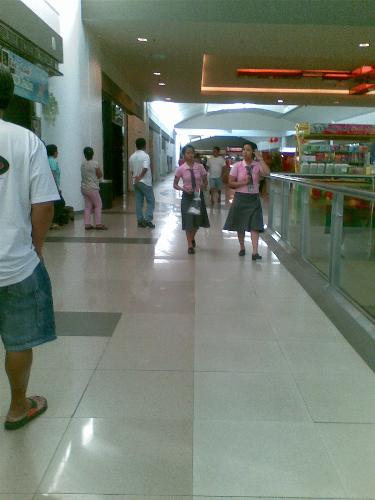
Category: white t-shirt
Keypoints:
(215, 166)
(25, 179)
(137, 162)
(90, 182)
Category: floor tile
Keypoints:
(282, 305)
(135, 394)
(248, 396)
(338, 397)
(12, 496)
(223, 302)
(93, 324)
(233, 325)
(103, 497)
(151, 342)
(136, 295)
(262, 459)
(62, 388)
(26, 453)
(146, 457)
(239, 355)
(352, 448)
(313, 356)
(303, 327)
(70, 353)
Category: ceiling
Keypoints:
(202, 43)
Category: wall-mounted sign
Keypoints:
(30, 81)
(117, 115)
(335, 129)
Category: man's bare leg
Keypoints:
(18, 366)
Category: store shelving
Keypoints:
(334, 149)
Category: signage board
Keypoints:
(30, 81)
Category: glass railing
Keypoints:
(332, 226)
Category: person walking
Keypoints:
(193, 207)
(245, 213)
(27, 192)
(90, 177)
(215, 166)
(52, 153)
(140, 168)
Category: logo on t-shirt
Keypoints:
(4, 165)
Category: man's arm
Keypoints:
(41, 220)
(141, 175)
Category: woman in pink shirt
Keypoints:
(194, 178)
(245, 213)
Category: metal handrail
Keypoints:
(357, 193)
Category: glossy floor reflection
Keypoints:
(222, 378)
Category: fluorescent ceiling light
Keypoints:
(267, 90)
(280, 101)
(140, 39)
(168, 98)
(161, 84)
(156, 73)
(364, 44)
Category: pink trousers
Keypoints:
(93, 203)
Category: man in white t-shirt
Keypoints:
(27, 191)
(215, 171)
(140, 168)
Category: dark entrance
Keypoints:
(113, 145)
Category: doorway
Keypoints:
(113, 148)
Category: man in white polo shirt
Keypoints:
(140, 168)
(27, 191)
(215, 166)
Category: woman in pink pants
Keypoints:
(90, 174)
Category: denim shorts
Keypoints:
(26, 312)
(216, 183)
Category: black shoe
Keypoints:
(241, 253)
(191, 250)
(142, 223)
(193, 243)
(150, 224)
(256, 256)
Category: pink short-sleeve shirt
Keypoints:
(239, 172)
(183, 171)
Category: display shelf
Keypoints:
(343, 158)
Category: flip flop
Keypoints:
(101, 227)
(38, 406)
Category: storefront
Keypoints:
(119, 112)
(31, 62)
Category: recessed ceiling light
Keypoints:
(364, 44)
(280, 101)
(140, 39)
(156, 73)
(161, 84)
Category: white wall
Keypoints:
(78, 93)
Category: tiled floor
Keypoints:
(222, 378)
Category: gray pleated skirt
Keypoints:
(245, 214)
(190, 221)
